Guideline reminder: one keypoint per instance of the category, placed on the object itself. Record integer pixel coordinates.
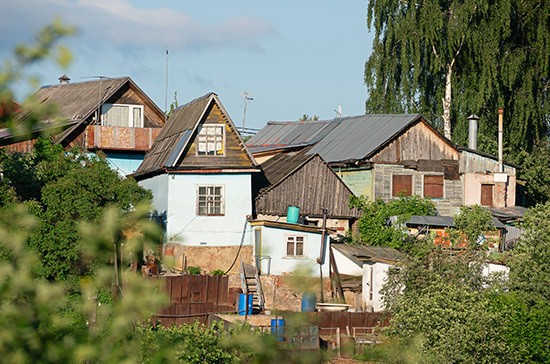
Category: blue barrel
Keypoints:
(292, 214)
(309, 300)
(278, 329)
(245, 304)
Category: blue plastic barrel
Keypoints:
(309, 300)
(278, 329)
(245, 304)
(292, 214)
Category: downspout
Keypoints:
(321, 259)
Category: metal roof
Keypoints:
(444, 221)
(361, 253)
(357, 137)
(289, 134)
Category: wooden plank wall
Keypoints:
(311, 188)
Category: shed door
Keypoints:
(486, 195)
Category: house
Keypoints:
(111, 115)
(384, 156)
(421, 226)
(371, 263)
(200, 173)
(281, 247)
(305, 181)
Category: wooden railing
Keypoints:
(120, 138)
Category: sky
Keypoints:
(291, 57)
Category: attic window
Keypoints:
(122, 115)
(211, 140)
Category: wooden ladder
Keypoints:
(252, 285)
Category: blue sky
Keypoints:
(294, 57)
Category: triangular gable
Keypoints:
(176, 146)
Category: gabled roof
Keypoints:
(278, 135)
(359, 137)
(362, 253)
(178, 133)
(279, 167)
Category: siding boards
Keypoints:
(235, 155)
(313, 186)
(418, 142)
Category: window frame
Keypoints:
(210, 200)
(433, 184)
(293, 239)
(398, 194)
(207, 142)
(106, 107)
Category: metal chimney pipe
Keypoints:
(472, 131)
(500, 127)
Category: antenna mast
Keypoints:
(166, 90)
(99, 97)
(247, 96)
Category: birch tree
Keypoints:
(448, 59)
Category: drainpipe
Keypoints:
(500, 126)
(321, 259)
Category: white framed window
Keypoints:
(211, 140)
(210, 201)
(122, 115)
(295, 245)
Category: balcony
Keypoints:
(120, 138)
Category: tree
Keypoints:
(374, 226)
(535, 171)
(454, 58)
(306, 117)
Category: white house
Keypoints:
(199, 171)
(281, 247)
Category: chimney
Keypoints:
(64, 79)
(472, 131)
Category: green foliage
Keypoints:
(373, 225)
(473, 221)
(496, 53)
(217, 272)
(530, 261)
(195, 271)
(535, 171)
(63, 188)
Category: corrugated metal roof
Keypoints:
(444, 221)
(360, 253)
(284, 135)
(357, 137)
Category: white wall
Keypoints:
(345, 265)
(186, 227)
(274, 246)
(491, 268)
(374, 277)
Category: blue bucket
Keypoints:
(292, 214)
(278, 329)
(309, 300)
(245, 304)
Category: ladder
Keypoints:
(252, 285)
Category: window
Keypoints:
(401, 185)
(210, 200)
(295, 245)
(211, 140)
(433, 186)
(122, 115)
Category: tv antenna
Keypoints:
(247, 96)
(100, 78)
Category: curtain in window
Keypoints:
(116, 116)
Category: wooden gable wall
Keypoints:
(312, 187)
(235, 154)
(419, 142)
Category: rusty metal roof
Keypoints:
(444, 221)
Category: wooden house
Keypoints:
(305, 181)
(200, 173)
(385, 156)
(112, 115)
